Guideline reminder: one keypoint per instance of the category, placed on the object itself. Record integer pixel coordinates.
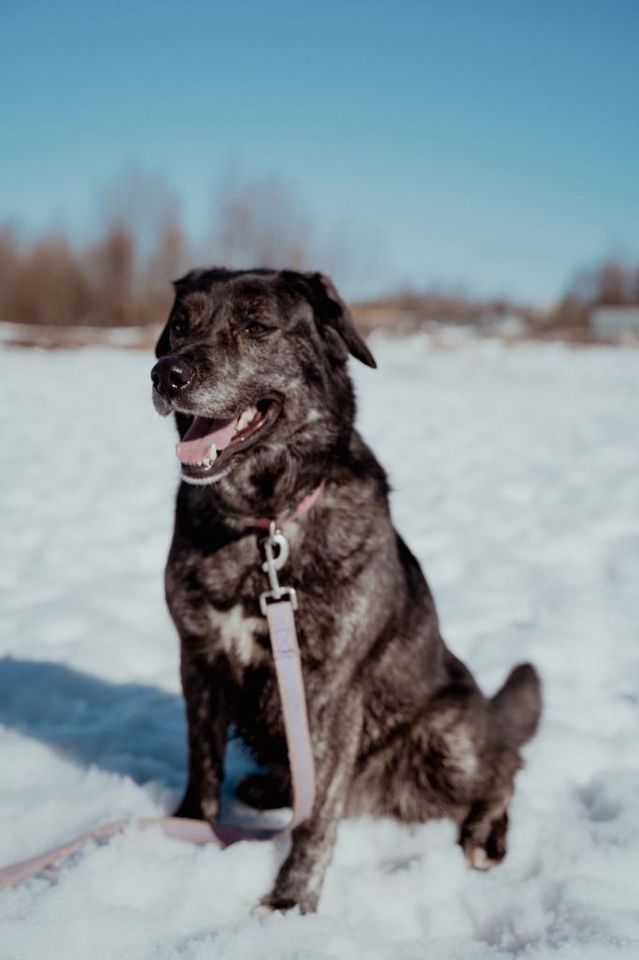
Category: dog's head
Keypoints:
(253, 364)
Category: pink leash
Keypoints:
(278, 606)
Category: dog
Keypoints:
(253, 364)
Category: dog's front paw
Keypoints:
(284, 902)
(268, 905)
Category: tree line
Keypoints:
(122, 276)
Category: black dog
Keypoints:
(254, 365)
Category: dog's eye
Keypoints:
(255, 330)
(179, 324)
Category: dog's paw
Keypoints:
(484, 844)
(267, 906)
(478, 859)
(261, 911)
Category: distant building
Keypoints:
(615, 323)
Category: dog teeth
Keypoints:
(209, 460)
(245, 418)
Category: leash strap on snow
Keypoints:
(278, 605)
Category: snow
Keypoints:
(516, 481)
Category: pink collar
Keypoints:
(303, 507)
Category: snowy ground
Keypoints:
(516, 476)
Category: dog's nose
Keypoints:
(170, 375)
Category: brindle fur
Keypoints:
(398, 725)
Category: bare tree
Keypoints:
(612, 283)
(111, 268)
(167, 261)
(261, 223)
(143, 249)
(9, 268)
(50, 286)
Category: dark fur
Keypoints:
(398, 724)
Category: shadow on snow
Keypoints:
(127, 728)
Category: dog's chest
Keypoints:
(240, 635)
(220, 603)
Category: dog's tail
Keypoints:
(517, 706)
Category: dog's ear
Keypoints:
(331, 310)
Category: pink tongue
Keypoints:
(196, 446)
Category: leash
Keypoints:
(278, 604)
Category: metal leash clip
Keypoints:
(274, 562)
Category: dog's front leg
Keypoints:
(205, 685)
(335, 733)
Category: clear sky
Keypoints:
(490, 144)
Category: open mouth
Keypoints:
(209, 445)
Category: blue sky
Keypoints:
(493, 145)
